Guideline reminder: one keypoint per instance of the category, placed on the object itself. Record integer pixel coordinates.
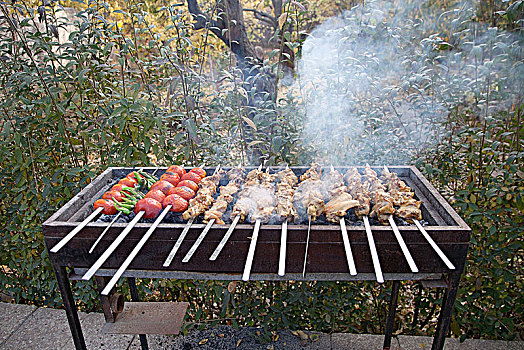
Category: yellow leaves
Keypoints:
(282, 20)
(231, 286)
(250, 123)
(238, 342)
(203, 341)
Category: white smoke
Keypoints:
(379, 80)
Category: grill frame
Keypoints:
(326, 258)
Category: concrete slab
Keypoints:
(347, 341)
(44, 329)
(92, 324)
(11, 317)
(408, 342)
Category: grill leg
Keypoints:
(70, 307)
(446, 309)
(134, 296)
(390, 321)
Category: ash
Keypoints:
(227, 337)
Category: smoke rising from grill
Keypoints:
(378, 81)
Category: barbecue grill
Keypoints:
(326, 253)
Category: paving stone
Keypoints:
(11, 317)
(416, 343)
(347, 341)
(92, 324)
(43, 329)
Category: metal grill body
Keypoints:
(326, 254)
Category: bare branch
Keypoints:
(202, 21)
(264, 17)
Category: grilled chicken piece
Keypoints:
(313, 173)
(410, 211)
(339, 205)
(363, 205)
(287, 176)
(214, 214)
(263, 214)
(254, 175)
(315, 207)
(243, 207)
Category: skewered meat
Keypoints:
(204, 196)
(226, 196)
(313, 173)
(402, 195)
(339, 205)
(285, 192)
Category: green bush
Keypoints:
(119, 92)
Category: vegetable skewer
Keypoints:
(101, 206)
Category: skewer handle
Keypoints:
(251, 252)
(178, 243)
(77, 229)
(224, 239)
(347, 246)
(434, 245)
(283, 243)
(134, 253)
(307, 246)
(104, 232)
(198, 241)
(403, 245)
(373, 249)
(113, 246)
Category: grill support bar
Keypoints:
(70, 307)
(134, 297)
(390, 320)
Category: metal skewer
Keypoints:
(104, 232)
(180, 239)
(113, 246)
(112, 222)
(347, 247)
(178, 243)
(307, 245)
(198, 241)
(135, 251)
(373, 249)
(251, 252)
(77, 229)
(225, 238)
(282, 258)
(402, 244)
(434, 245)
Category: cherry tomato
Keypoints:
(162, 185)
(119, 188)
(177, 169)
(192, 176)
(188, 183)
(128, 182)
(178, 203)
(172, 178)
(117, 196)
(151, 206)
(199, 171)
(156, 194)
(109, 208)
(184, 192)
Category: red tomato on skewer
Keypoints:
(172, 178)
(156, 195)
(162, 185)
(177, 169)
(129, 182)
(188, 183)
(151, 206)
(199, 171)
(109, 208)
(178, 203)
(184, 192)
(117, 196)
(192, 176)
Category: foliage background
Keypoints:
(133, 84)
